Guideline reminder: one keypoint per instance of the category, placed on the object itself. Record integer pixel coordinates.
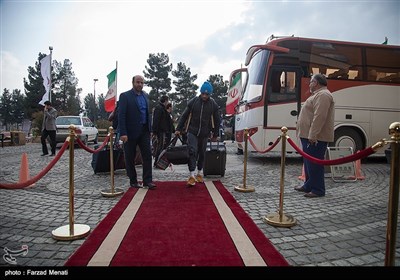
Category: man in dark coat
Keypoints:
(134, 125)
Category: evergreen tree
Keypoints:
(34, 89)
(89, 106)
(11, 112)
(66, 94)
(220, 90)
(184, 86)
(102, 113)
(156, 77)
(6, 109)
(17, 112)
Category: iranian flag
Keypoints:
(110, 100)
(234, 94)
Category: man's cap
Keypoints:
(206, 88)
(47, 103)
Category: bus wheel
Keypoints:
(347, 137)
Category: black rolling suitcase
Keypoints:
(101, 160)
(215, 159)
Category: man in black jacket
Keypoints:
(162, 126)
(201, 118)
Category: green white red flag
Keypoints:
(111, 97)
(234, 94)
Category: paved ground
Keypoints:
(347, 227)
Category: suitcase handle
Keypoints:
(209, 140)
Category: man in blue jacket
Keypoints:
(201, 118)
(134, 124)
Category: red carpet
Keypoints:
(176, 225)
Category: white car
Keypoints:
(89, 132)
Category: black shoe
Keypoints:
(44, 154)
(150, 186)
(312, 195)
(52, 155)
(300, 189)
(136, 185)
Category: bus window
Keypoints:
(282, 86)
(382, 64)
(255, 78)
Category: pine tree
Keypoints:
(6, 109)
(34, 89)
(220, 90)
(184, 86)
(66, 94)
(156, 77)
(89, 106)
(17, 113)
(101, 110)
(11, 113)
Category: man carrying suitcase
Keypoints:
(201, 118)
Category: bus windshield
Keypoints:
(256, 76)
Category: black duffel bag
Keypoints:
(173, 154)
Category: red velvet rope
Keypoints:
(353, 157)
(266, 150)
(41, 174)
(86, 148)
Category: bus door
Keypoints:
(283, 101)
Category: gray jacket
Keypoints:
(49, 119)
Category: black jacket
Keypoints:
(162, 121)
(200, 121)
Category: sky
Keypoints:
(210, 37)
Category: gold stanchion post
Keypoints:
(245, 188)
(113, 191)
(71, 231)
(393, 205)
(280, 219)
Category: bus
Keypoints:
(364, 80)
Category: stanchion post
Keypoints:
(113, 192)
(71, 179)
(393, 205)
(245, 188)
(280, 219)
(71, 231)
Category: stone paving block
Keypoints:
(357, 251)
(356, 261)
(317, 249)
(300, 260)
(341, 263)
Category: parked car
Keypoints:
(89, 132)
